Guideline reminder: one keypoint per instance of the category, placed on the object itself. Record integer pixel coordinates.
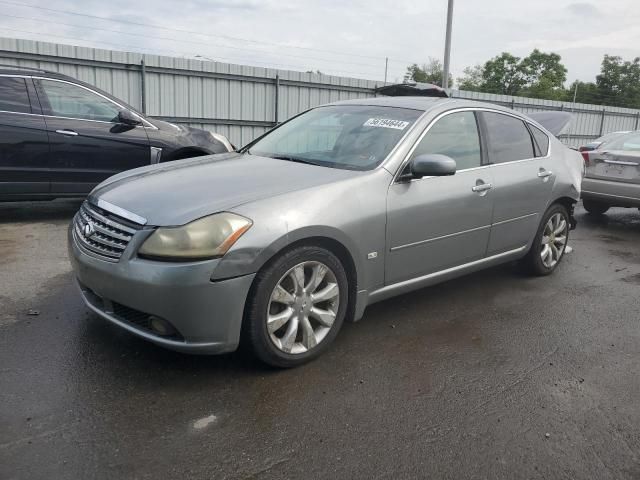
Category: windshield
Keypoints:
(353, 137)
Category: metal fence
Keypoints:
(241, 101)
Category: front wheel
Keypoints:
(550, 241)
(297, 307)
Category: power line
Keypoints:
(130, 22)
(182, 54)
(188, 41)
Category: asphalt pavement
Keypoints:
(495, 375)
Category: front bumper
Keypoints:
(207, 315)
(616, 194)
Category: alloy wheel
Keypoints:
(554, 240)
(303, 307)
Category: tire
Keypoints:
(278, 345)
(594, 207)
(534, 262)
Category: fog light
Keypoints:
(161, 326)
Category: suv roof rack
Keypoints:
(414, 89)
(6, 66)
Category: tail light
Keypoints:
(585, 156)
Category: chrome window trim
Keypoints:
(22, 113)
(144, 120)
(407, 158)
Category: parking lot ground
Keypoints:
(495, 375)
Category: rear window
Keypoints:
(629, 143)
(509, 138)
(13, 95)
(542, 141)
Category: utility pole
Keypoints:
(447, 47)
(386, 68)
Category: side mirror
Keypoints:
(432, 165)
(126, 117)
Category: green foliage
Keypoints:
(430, 72)
(471, 80)
(542, 75)
(619, 82)
(539, 75)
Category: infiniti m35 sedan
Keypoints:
(343, 205)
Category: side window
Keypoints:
(13, 95)
(509, 139)
(454, 135)
(72, 101)
(541, 139)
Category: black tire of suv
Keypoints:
(533, 262)
(595, 207)
(255, 331)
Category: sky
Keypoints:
(338, 37)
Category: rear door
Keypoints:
(523, 175)
(87, 144)
(24, 145)
(617, 161)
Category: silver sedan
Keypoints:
(342, 206)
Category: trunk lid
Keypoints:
(615, 165)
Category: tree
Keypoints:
(504, 75)
(539, 75)
(544, 74)
(584, 92)
(619, 82)
(430, 72)
(471, 79)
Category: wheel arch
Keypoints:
(569, 203)
(333, 245)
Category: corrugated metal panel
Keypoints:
(239, 101)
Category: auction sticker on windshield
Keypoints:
(386, 123)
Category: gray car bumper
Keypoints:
(620, 194)
(207, 315)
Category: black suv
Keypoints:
(60, 137)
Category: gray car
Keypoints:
(342, 206)
(613, 174)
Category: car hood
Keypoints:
(176, 193)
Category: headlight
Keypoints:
(208, 237)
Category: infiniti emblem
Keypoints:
(88, 230)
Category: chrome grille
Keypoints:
(102, 236)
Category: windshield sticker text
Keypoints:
(386, 123)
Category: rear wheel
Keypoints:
(297, 307)
(595, 207)
(550, 242)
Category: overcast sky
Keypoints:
(340, 37)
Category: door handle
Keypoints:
(483, 187)
(545, 173)
(68, 133)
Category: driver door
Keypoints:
(87, 145)
(436, 223)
